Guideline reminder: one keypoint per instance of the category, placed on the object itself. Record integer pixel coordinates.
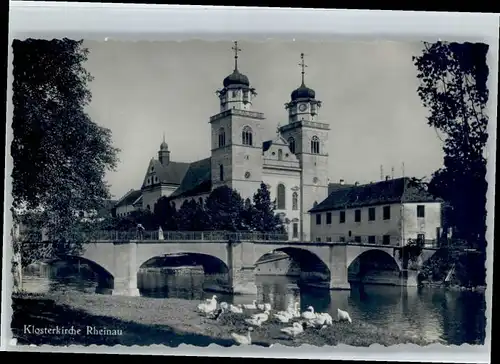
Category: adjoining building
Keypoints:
(388, 212)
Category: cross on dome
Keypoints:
(236, 50)
(303, 66)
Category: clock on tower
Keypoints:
(302, 107)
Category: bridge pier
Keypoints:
(338, 267)
(125, 264)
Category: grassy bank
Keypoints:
(146, 321)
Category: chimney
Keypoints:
(356, 183)
(387, 178)
(342, 182)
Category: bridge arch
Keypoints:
(301, 262)
(103, 277)
(215, 270)
(374, 265)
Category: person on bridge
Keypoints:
(140, 231)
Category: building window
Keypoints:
(295, 230)
(342, 239)
(149, 181)
(420, 211)
(342, 217)
(328, 239)
(328, 218)
(221, 172)
(295, 201)
(281, 195)
(148, 207)
(357, 215)
(386, 239)
(235, 94)
(371, 214)
(280, 154)
(200, 201)
(357, 239)
(315, 145)
(318, 219)
(291, 144)
(387, 212)
(246, 136)
(315, 203)
(222, 137)
(318, 239)
(371, 239)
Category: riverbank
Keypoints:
(146, 321)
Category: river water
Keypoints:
(450, 317)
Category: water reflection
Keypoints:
(452, 317)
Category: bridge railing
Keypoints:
(105, 235)
(389, 241)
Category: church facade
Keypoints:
(293, 164)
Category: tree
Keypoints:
(192, 216)
(60, 156)
(166, 214)
(225, 208)
(264, 218)
(453, 86)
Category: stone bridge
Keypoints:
(231, 262)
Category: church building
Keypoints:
(293, 164)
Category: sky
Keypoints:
(368, 90)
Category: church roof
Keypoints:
(303, 92)
(399, 190)
(129, 198)
(236, 78)
(172, 173)
(197, 179)
(266, 145)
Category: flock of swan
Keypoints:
(308, 318)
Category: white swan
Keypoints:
(309, 314)
(208, 307)
(260, 306)
(263, 317)
(255, 321)
(208, 300)
(224, 306)
(243, 339)
(283, 318)
(294, 330)
(250, 306)
(328, 319)
(236, 309)
(343, 315)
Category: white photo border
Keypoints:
(133, 22)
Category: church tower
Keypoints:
(308, 140)
(164, 153)
(236, 147)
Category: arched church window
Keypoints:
(291, 144)
(280, 197)
(246, 136)
(221, 172)
(280, 154)
(235, 93)
(222, 137)
(295, 201)
(315, 203)
(315, 145)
